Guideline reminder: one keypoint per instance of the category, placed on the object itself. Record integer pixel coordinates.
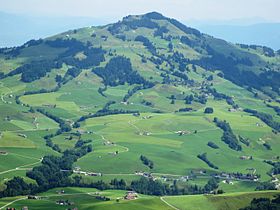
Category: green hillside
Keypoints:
(227, 201)
(144, 97)
(87, 198)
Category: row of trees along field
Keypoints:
(264, 204)
(228, 136)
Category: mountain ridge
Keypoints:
(235, 61)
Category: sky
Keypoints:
(22, 20)
(109, 10)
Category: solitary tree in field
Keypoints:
(208, 110)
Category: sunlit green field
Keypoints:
(171, 153)
(85, 199)
(150, 134)
(233, 201)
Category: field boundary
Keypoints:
(170, 205)
(6, 205)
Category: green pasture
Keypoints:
(232, 201)
(154, 135)
(84, 198)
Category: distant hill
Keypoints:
(241, 64)
(16, 29)
(267, 34)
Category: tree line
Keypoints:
(133, 24)
(56, 171)
(53, 172)
(212, 145)
(264, 204)
(231, 66)
(37, 69)
(204, 158)
(147, 161)
(266, 118)
(106, 111)
(228, 136)
(146, 42)
(276, 167)
(118, 71)
(63, 127)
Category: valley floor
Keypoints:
(88, 198)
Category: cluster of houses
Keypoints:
(137, 114)
(8, 118)
(80, 131)
(144, 133)
(23, 208)
(182, 132)
(235, 110)
(259, 124)
(125, 103)
(130, 195)
(162, 178)
(227, 177)
(22, 135)
(145, 174)
(276, 182)
(147, 117)
(52, 106)
(77, 170)
(244, 157)
(237, 176)
(64, 203)
(3, 152)
(33, 197)
(60, 192)
(198, 172)
(102, 198)
(228, 182)
(108, 143)
(113, 153)
(181, 179)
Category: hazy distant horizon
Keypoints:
(179, 9)
(19, 25)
